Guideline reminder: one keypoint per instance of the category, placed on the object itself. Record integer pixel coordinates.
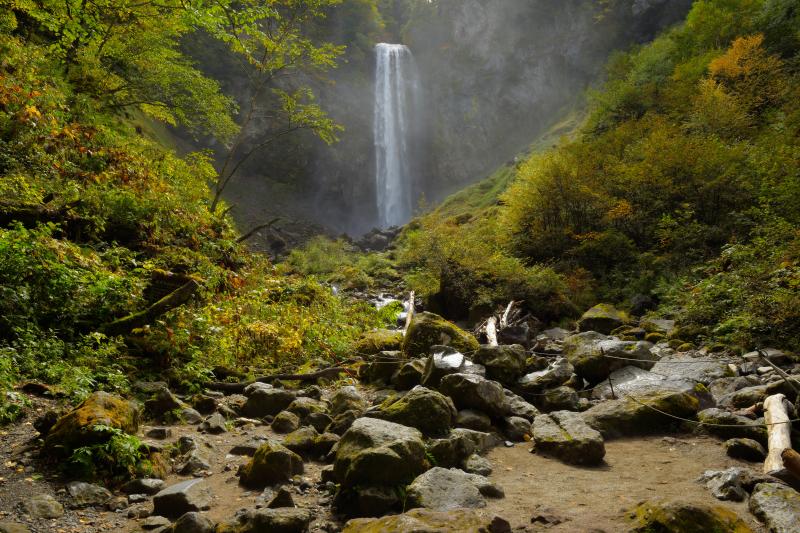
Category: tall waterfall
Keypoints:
(396, 85)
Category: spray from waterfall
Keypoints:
(396, 89)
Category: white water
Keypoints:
(395, 101)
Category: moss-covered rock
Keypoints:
(426, 410)
(656, 517)
(503, 363)
(428, 329)
(272, 463)
(462, 520)
(602, 318)
(595, 356)
(79, 427)
(376, 341)
(565, 435)
(643, 414)
(777, 506)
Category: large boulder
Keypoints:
(272, 463)
(85, 425)
(266, 401)
(281, 520)
(376, 452)
(181, 498)
(556, 374)
(444, 361)
(685, 518)
(632, 380)
(691, 366)
(595, 356)
(442, 489)
(503, 363)
(730, 426)
(470, 391)
(565, 435)
(777, 506)
(641, 415)
(517, 406)
(602, 318)
(428, 521)
(428, 329)
(429, 411)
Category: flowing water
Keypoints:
(395, 101)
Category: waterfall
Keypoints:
(395, 100)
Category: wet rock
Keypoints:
(427, 330)
(181, 498)
(685, 518)
(282, 520)
(426, 520)
(267, 402)
(744, 427)
(192, 523)
(557, 373)
(347, 399)
(470, 391)
(87, 495)
(375, 452)
(503, 363)
(475, 464)
(214, 424)
(777, 506)
(79, 427)
(746, 449)
(143, 486)
(426, 410)
(629, 417)
(603, 318)
(515, 428)
(471, 419)
(560, 399)
(42, 506)
(595, 356)
(565, 435)
(285, 422)
(272, 463)
(409, 375)
(443, 489)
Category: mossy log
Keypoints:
(174, 299)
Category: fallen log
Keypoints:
(491, 331)
(236, 388)
(410, 306)
(174, 299)
(778, 433)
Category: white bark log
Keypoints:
(491, 331)
(778, 431)
(410, 305)
(504, 318)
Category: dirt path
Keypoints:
(596, 499)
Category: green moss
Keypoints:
(428, 329)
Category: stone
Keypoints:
(778, 357)
(632, 417)
(682, 367)
(515, 428)
(519, 334)
(304, 406)
(307, 442)
(678, 517)
(155, 522)
(117, 503)
(427, 330)
(84, 494)
(342, 422)
(272, 463)
(602, 318)
(557, 373)
(657, 325)
(426, 410)
(79, 427)
(409, 375)
(777, 506)
(281, 520)
(383, 369)
(13, 527)
(745, 449)
(159, 433)
(565, 435)
(285, 422)
(428, 521)
(193, 522)
(486, 487)
(376, 341)
(732, 426)
(193, 462)
(475, 420)
(347, 399)
(190, 416)
(282, 498)
(204, 404)
(470, 391)
(595, 356)
(727, 485)
(560, 399)
(267, 402)
(318, 421)
(462, 443)
(42, 506)
(475, 464)
(181, 498)
(368, 501)
(162, 404)
(143, 486)
(442, 489)
(443, 360)
(518, 407)
(632, 380)
(214, 424)
(503, 363)
(376, 452)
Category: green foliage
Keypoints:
(118, 457)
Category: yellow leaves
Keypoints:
(30, 114)
(623, 209)
(741, 59)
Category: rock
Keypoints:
(87, 495)
(282, 498)
(427, 330)
(155, 522)
(79, 427)
(285, 422)
(382, 369)
(475, 420)
(181, 498)
(13, 527)
(143, 486)
(511, 335)
(318, 421)
(159, 433)
(470, 391)
(565, 435)
(193, 462)
(475, 464)
(214, 424)
(746, 449)
(632, 380)
(267, 402)
(204, 404)
(42, 506)
(443, 361)
(486, 487)
(681, 367)
(777, 506)
(685, 518)
(518, 407)
(426, 410)
(347, 399)
(303, 407)
(282, 520)
(560, 399)
(163, 404)
(592, 355)
(272, 463)
(368, 501)
(778, 357)
(377, 341)
(193, 523)
(455, 449)
(428, 521)
(629, 417)
(749, 429)
(342, 422)
(556, 374)
(117, 503)
(503, 363)
(657, 325)
(375, 452)
(727, 485)
(516, 428)
(409, 375)
(190, 416)
(45, 422)
(308, 443)
(602, 318)
(441, 489)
